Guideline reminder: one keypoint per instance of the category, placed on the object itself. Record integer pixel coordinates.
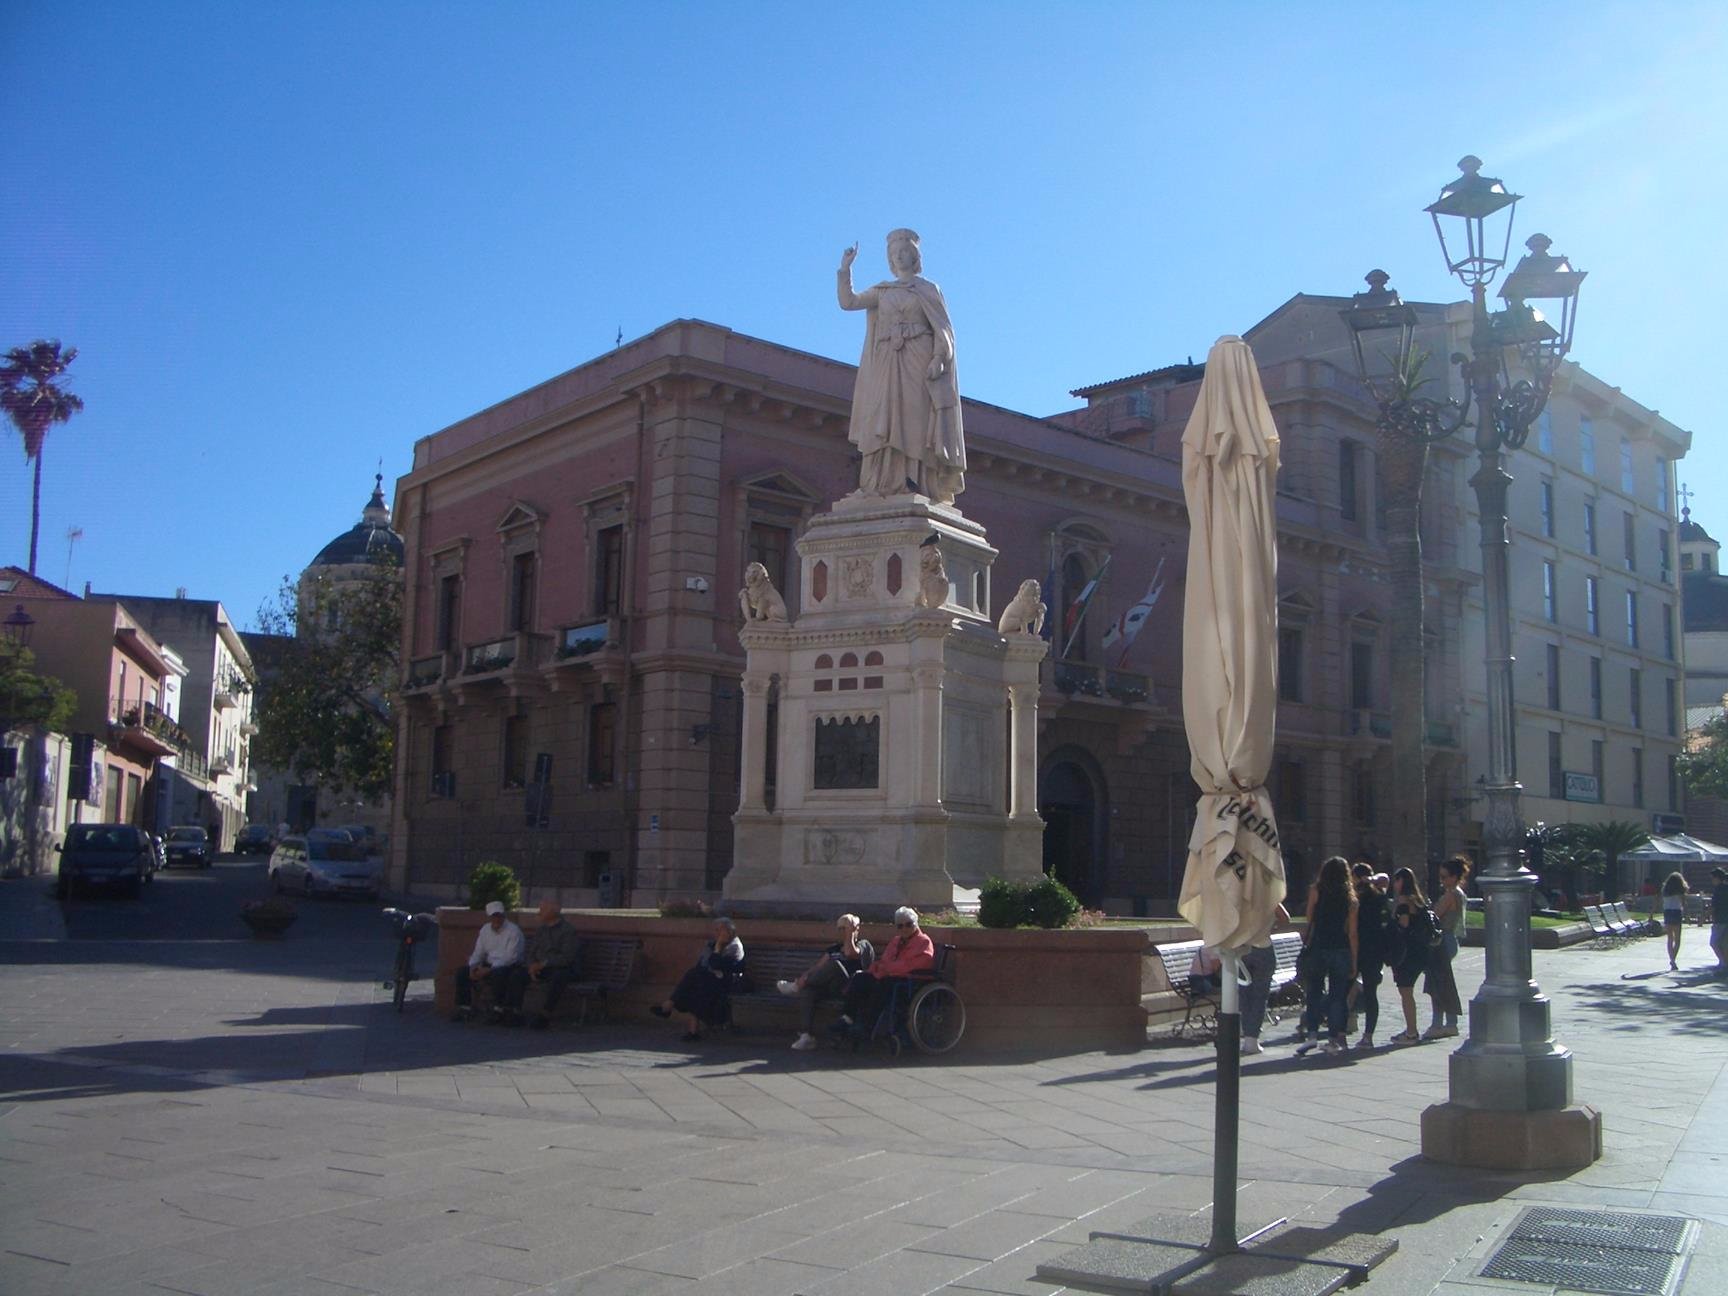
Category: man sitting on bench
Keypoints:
(497, 949)
(554, 960)
(909, 952)
(828, 976)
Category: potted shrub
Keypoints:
(268, 918)
(490, 881)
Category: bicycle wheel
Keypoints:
(404, 974)
(936, 1018)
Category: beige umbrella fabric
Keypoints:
(1235, 875)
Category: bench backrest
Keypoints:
(766, 964)
(1597, 920)
(1177, 959)
(1287, 946)
(609, 960)
(1618, 910)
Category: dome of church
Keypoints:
(368, 540)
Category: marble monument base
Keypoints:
(905, 732)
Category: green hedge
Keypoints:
(1044, 903)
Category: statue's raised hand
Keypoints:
(848, 257)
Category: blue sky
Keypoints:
(290, 239)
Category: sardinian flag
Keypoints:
(1127, 626)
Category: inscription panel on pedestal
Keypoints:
(833, 846)
(847, 752)
(971, 756)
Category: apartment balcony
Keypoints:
(130, 732)
(1370, 724)
(589, 653)
(222, 763)
(512, 662)
(425, 674)
(248, 729)
(1098, 692)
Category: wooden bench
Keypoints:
(608, 967)
(1177, 958)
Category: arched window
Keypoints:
(1074, 578)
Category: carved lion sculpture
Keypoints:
(1024, 613)
(932, 578)
(759, 600)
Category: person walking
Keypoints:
(1439, 983)
(1407, 946)
(1331, 948)
(1373, 920)
(1674, 891)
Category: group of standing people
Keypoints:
(1362, 925)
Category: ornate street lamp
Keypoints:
(1510, 1100)
(19, 627)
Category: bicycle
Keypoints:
(410, 928)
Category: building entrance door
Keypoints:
(1072, 804)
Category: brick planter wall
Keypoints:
(1046, 991)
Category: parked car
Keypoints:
(255, 839)
(324, 862)
(106, 855)
(189, 845)
(366, 836)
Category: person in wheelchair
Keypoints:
(909, 953)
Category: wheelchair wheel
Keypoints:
(936, 1018)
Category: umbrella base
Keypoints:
(1278, 1260)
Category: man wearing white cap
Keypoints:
(499, 945)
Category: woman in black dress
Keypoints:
(704, 993)
(1408, 947)
(1373, 918)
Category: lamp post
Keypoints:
(19, 627)
(1510, 1103)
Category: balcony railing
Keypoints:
(222, 763)
(1371, 724)
(513, 650)
(425, 671)
(588, 638)
(1127, 686)
(1079, 677)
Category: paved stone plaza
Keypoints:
(209, 1115)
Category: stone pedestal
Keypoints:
(904, 753)
(1564, 1139)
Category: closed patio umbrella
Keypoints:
(1234, 879)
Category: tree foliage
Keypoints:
(34, 400)
(1704, 766)
(27, 697)
(328, 685)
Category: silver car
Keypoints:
(324, 862)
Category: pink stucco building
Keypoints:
(573, 556)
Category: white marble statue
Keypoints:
(1024, 613)
(759, 600)
(906, 404)
(932, 578)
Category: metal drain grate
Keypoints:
(1614, 1252)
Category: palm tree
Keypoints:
(1610, 840)
(35, 402)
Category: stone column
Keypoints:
(753, 748)
(1023, 766)
(927, 779)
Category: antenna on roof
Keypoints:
(73, 536)
(619, 340)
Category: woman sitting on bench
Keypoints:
(828, 976)
(705, 991)
(910, 952)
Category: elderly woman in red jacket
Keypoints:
(910, 952)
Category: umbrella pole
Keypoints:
(1227, 1111)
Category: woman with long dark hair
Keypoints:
(1439, 984)
(1674, 891)
(1330, 939)
(1408, 946)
